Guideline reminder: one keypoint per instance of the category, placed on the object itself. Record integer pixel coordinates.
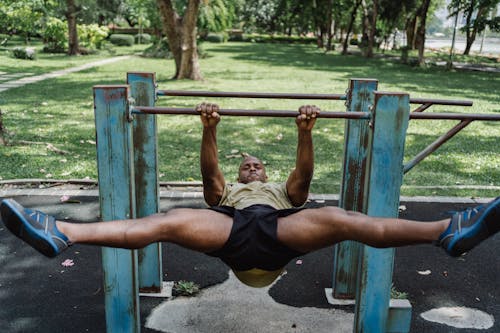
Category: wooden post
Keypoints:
(143, 91)
(345, 265)
(385, 173)
(117, 200)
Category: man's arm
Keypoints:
(299, 180)
(213, 179)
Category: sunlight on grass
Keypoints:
(60, 112)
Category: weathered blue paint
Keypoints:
(385, 165)
(399, 319)
(142, 90)
(345, 265)
(117, 200)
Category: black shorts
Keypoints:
(253, 242)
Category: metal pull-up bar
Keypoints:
(322, 114)
(426, 102)
(249, 113)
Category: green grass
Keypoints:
(60, 111)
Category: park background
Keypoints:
(47, 128)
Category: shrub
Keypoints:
(142, 38)
(92, 36)
(216, 38)
(160, 49)
(24, 53)
(55, 35)
(121, 40)
(236, 35)
(353, 41)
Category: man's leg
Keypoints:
(312, 229)
(198, 229)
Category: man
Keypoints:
(254, 226)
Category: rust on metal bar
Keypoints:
(256, 113)
(440, 101)
(249, 95)
(423, 107)
(436, 144)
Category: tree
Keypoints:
(476, 14)
(181, 34)
(420, 37)
(21, 17)
(71, 12)
(370, 11)
(352, 19)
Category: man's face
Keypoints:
(251, 169)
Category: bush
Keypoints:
(236, 35)
(121, 40)
(160, 49)
(92, 36)
(55, 35)
(281, 39)
(216, 38)
(24, 53)
(142, 38)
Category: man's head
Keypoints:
(251, 169)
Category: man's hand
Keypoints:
(307, 117)
(209, 114)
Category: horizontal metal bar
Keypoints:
(323, 114)
(440, 101)
(256, 113)
(250, 95)
(455, 116)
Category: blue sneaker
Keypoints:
(470, 227)
(35, 228)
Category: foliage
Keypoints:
(24, 53)
(185, 288)
(158, 49)
(142, 38)
(91, 36)
(22, 17)
(55, 35)
(216, 38)
(121, 39)
(216, 16)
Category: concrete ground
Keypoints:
(41, 295)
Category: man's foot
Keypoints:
(470, 227)
(35, 228)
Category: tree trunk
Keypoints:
(329, 31)
(181, 35)
(421, 32)
(349, 27)
(411, 25)
(472, 33)
(373, 29)
(369, 27)
(73, 47)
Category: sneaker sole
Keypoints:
(478, 232)
(22, 229)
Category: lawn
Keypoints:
(60, 112)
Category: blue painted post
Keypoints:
(385, 165)
(346, 256)
(117, 200)
(143, 91)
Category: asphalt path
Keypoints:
(41, 295)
